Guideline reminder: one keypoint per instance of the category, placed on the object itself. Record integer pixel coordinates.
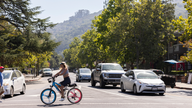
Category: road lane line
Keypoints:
(117, 94)
(103, 104)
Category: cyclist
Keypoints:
(65, 73)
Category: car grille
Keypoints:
(115, 75)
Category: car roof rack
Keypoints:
(10, 68)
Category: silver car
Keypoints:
(13, 82)
(83, 74)
(46, 72)
(142, 81)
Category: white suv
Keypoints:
(107, 73)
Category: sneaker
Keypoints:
(62, 99)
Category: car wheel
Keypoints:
(23, 89)
(161, 94)
(102, 84)
(134, 89)
(79, 80)
(76, 80)
(11, 92)
(89, 80)
(122, 88)
(93, 83)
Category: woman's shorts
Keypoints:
(66, 81)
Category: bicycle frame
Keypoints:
(54, 85)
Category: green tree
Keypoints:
(70, 55)
(184, 25)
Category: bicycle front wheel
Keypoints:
(74, 95)
(48, 96)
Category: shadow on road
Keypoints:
(54, 105)
(139, 94)
(15, 95)
(106, 87)
(182, 92)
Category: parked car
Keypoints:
(168, 79)
(142, 81)
(46, 72)
(13, 82)
(107, 73)
(83, 74)
(157, 71)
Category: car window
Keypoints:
(147, 75)
(132, 74)
(47, 70)
(99, 66)
(127, 74)
(85, 71)
(112, 67)
(6, 75)
(13, 75)
(18, 74)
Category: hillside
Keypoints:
(74, 27)
(81, 22)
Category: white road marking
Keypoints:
(117, 94)
(104, 104)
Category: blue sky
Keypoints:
(61, 10)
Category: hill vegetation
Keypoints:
(81, 22)
(74, 27)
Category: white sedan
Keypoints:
(13, 82)
(142, 81)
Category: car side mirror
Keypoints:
(159, 77)
(14, 78)
(131, 77)
(98, 69)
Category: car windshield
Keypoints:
(85, 71)
(147, 75)
(6, 75)
(47, 69)
(112, 67)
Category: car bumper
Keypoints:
(47, 74)
(112, 81)
(85, 78)
(6, 90)
(151, 89)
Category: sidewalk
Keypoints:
(31, 77)
(180, 85)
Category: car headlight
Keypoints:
(162, 83)
(6, 84)
(142, 83)
(105, 75)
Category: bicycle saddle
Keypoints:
(72, 85)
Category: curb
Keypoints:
(183, 88)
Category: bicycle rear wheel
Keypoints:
(74, 95)
(46, 98)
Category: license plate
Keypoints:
(155, 88)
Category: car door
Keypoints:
(126, 79)
(19, 80)
(131, 80)
(97, 72)
(14, 81)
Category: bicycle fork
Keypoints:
(50, 91)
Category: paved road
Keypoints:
(94, 97)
